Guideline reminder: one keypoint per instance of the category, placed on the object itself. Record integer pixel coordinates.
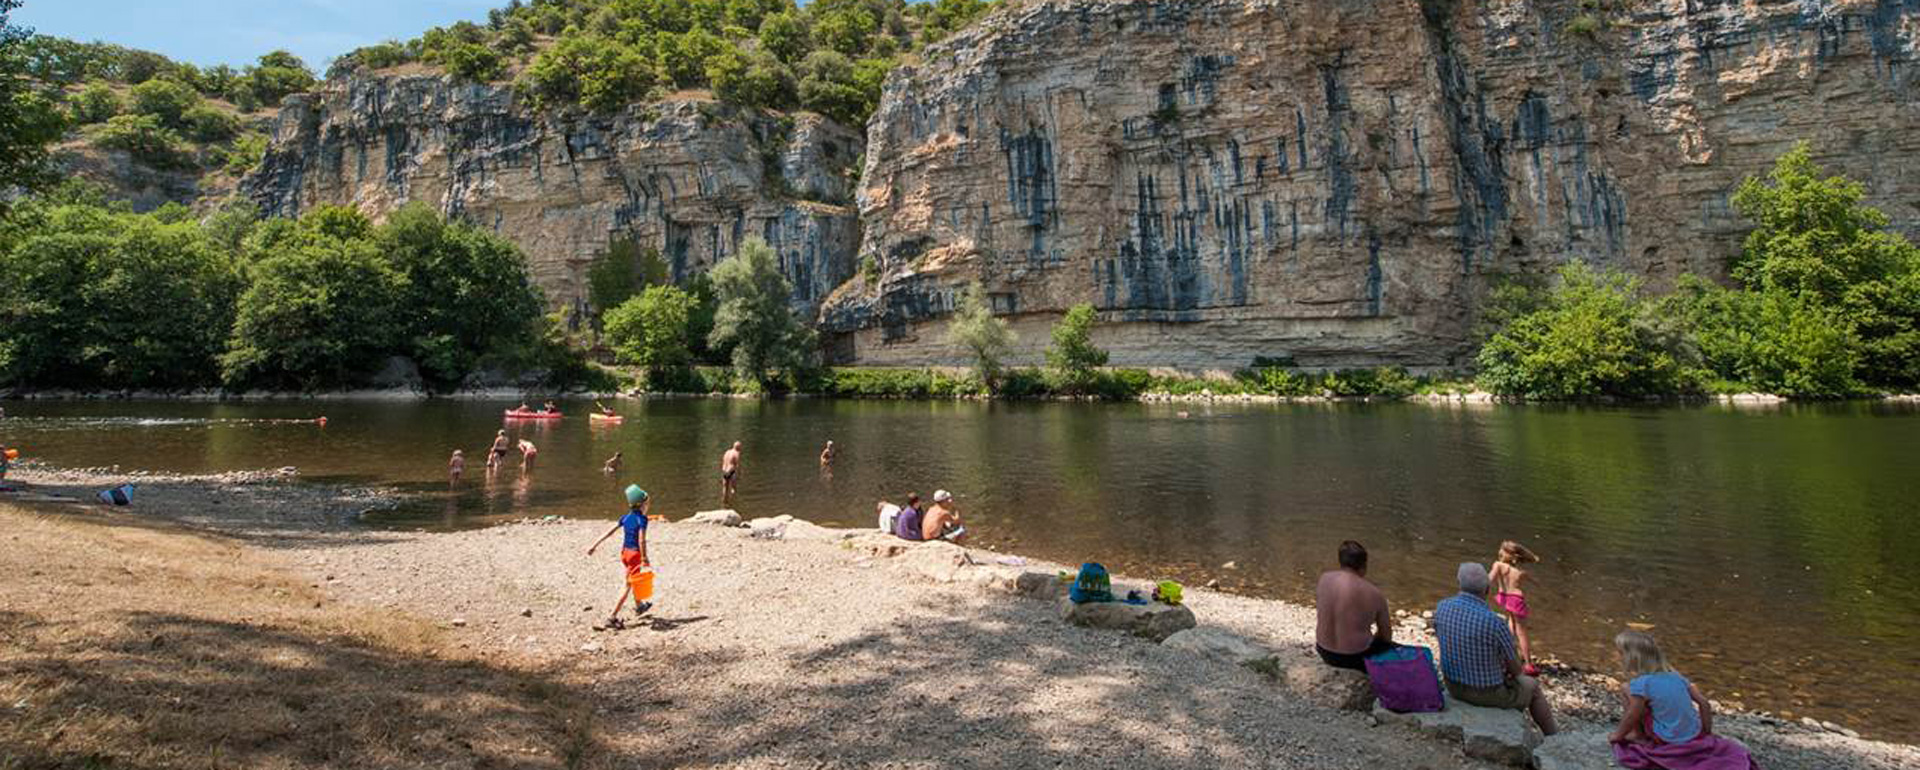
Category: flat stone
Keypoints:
(1574, 750)
(725, 517)
(1215, 643)
(878, 544)
(1039, 585)
(1154, 620)
(801, 529)
(938, 561)
(767, 528)
(1505, 736)
(1322, 685)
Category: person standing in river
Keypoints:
(456, 466)
(826, 456)
(1352, 618)
(729, 474)
(499, 451)
(527, 452)
(1511, 596)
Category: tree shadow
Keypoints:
(170, 690)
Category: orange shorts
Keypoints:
(631, 558)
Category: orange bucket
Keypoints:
(642, 584)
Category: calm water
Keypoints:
(1776, 550)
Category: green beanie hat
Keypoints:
(636, 495)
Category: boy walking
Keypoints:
(633, 555)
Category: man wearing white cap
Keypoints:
(942, 521)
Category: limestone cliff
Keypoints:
(1339, 181)
(688, 176)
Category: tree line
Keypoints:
(830, 56)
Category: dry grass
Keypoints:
(125, 643)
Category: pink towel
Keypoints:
(1707, 752)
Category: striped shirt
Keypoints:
(1475, 644)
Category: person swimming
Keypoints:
(613, 463)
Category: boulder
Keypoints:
(724, 517)
(1039, 585)
(1322, 685)
(801, 529)
(878, 544)
(1574, 750)
(768, 528)
(938, 561)
(1506, 736)
(1214, 643)
(1153, 620)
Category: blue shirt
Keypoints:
(1675, 719)
(634, 523)
(1475, 644)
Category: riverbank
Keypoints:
(851, 660)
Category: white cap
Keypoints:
(942, 496)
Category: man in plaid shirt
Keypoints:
(1476, 653)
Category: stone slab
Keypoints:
(1495, 735)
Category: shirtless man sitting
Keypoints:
(1353, 618)
(942, 520)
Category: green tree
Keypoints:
(29, 121)
(941, 18)
(1590, 335)
(985, 338)
(753, 79)
(753, 318)
(828, 86)
(478, 63)
(317, 316)
(1769, 341)
(651, 330)
(207, 123)
(1814, 238)
(462, 292)
(684, 57)
(847, 30)
(136, 67)
(785, 36)
(167, 100)
(1073, 356)
(96, 103)
(277, 74)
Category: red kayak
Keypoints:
(515, 414)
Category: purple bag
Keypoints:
(1405, 681)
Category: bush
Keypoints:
(975, 330)
(246, 153)
(207, 123)
(1073, 358)
(651, 330)
(143, 137)
(1588, 336)
(473, 62)
(96, 104)
(276, 74)
(166, 100)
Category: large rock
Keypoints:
(725, 517)
(1040, 585)
(878, 544)
(1154, 620)
(1506, 736)
(1322, 685)
(1215, 643)
(1341, 182)
(938, 561)
(769, 528)
(1574, 750)
(688, 179)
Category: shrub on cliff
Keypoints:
(753, 320)
(1589, 335)
(95, 104)
(166, 100)
(985, 338)
(651, 330)
(143, 137)
(1072, 359)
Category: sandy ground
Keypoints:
(808, 653)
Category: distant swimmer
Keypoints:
(499, 451)
(456, 465)
(826, 455)
(527, 452)
(613, 464)
(729, 473)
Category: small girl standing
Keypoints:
(1668, 723)
(1506, 577)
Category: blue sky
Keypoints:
(237, 31)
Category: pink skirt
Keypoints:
(1514, 604)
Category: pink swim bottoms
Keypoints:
(1514, 604)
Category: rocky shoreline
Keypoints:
(823, 622)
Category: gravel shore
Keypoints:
(775, 653)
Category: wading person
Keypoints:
(1510, 594)
(499, 451)
(1352, 619)
(729, 473)
(633, 556)
(456, 466)
(826, 455)
(527, 452)
(612, 465)
(1477, 656)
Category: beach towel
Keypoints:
(1707, 752)
(1405, 681)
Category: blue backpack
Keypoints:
(1093, 585)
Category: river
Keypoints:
(1774, 550)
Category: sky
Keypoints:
(207, 32)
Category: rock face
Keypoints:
(688, 177)
(1341, 182)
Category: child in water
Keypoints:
(456, 465)
(633, 555)
(1668, 723)
(1506, 577)
(612, 465)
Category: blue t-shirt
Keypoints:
(1675, 719)
(633, 523)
